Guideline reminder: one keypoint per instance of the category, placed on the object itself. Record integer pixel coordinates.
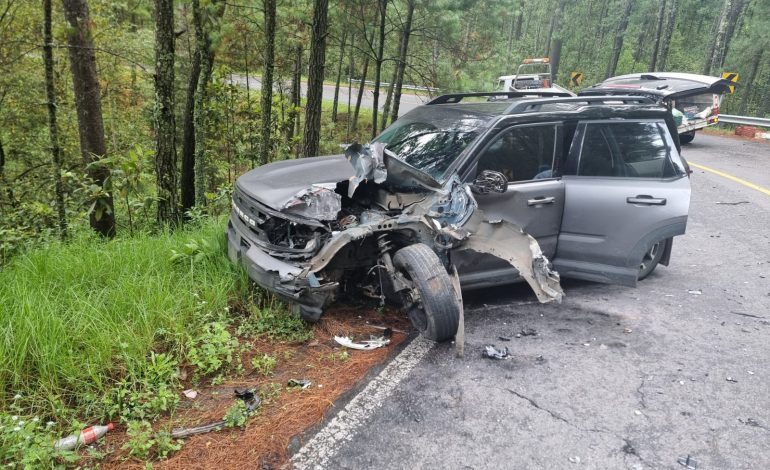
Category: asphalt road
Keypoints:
(614, 377)
(409, 101)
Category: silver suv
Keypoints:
(470, 190)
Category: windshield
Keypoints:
(431, 143)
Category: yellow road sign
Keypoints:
(733, 77)
(576, 78)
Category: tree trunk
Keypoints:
(295, 98)
(339, 75)
(733, 25)
(188, 139)
(388, 100)
(206, 52)
(89, 112)
(315, 79)
(165, 132)
(555, 41)
(53, 127)
(666, 41)
(717, 59)
(381, 7)
(361, 86)
(756, 60)
(267, 81)
(401, 65)
(658, 34)
(617, 47)
(519, 18)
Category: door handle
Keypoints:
(647, 200)
(541, 200)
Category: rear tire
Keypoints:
(651, 259)
(687, 137)
(437, 313)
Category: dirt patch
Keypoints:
(285, 413)
(731, 135)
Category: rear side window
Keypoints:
(625, 150)
(521, 153)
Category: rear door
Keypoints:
(534, 200)
(625, 189)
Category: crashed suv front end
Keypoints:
(314, 229)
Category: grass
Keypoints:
(78, 316)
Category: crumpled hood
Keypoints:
(277, 183)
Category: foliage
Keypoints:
(276, 322)
(26, 443)
(140, 440)
(83, 317)
(212, 350)
(148, 391)
(143, 443)
(236, 415)
(264, 364)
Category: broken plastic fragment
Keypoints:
(369, 163)
(191, 394)
(492, 352)
(304, 384)
(373, 343)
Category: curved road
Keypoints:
(614, 378)
(409, 101)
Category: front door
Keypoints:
(625, 189)
(533, 201)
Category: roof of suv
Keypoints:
(525, 104)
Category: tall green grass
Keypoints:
(75, 317)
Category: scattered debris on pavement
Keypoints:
(695, 291)
(491, 352)
(730, 379)
(688, 462)
(304, 384)
(373, 342)
(87, 436)
(504, 338)
(732, 203)
(574, 459)
(526, 332)
(249, 396)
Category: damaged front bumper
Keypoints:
(287, 280)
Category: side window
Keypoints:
(521, 153)
(626, 150)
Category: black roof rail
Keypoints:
(533, 105)
(457, 97)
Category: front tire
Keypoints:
(687, 137)
(431, 303)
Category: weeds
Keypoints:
(236, 415)
(27, 442)
(83, 317)
(264, 364)
(143, 443)
(212, 350)
(147, 392)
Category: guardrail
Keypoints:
(745, 120)
(404, 86)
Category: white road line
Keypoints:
(315, 454)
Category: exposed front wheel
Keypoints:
(687, 137)
(651, 259)
(430, 302)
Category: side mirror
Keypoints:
(489, 181)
